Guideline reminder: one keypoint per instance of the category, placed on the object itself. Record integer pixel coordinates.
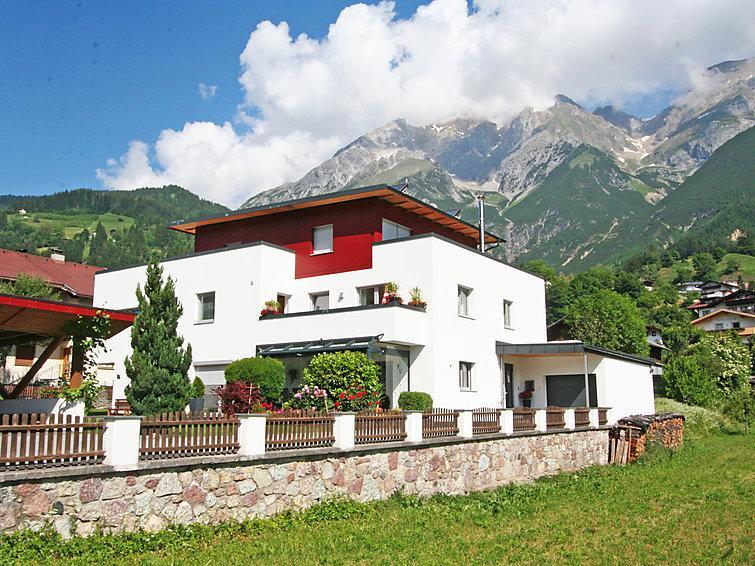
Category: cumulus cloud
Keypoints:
(304, 98)
(207, 92)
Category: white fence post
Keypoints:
(507, 421)
(413, 426)
(541, 420)
(465, 423)
(569, 419)
(121, 441)
(594, 418)
(252, 434)
(343, 430)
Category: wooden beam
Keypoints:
(26, 379)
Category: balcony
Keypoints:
(398, 324)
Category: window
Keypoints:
(371, 295)
(465, 376)
(735, 325)
(25, 354)
(322, 239)
(320, 301)
(391, 230)
(206, 307)
(507, 313)
(282, 302)
(464, 295)
(719, 326)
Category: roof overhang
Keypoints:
(24, 320)
(384, 192)
(565, 348)
(311, 347)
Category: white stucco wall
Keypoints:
(626, 387)
(727, 320)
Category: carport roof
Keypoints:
(560, 347)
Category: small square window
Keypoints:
(464, 296)
(735, 325)
(507, 313)
(320, 301)
(206, 307)
(322, 239)
(719, 326)
(465, 376)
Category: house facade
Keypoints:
(326, 261)
(720, 320)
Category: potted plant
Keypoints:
(271, 307)
(526, 397)
(196, 403)
(391, 296)
(417, 301)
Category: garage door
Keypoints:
(565, 390)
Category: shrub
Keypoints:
(687, 379)
(309, 398)
(238, 397)
(351, 379)
(266, 373)
(698, 421)
(415, 401)
(197, 388)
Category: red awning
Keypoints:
(23, 319)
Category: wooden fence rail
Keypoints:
(440, 422)
(524, 419)
(554, 418)
(379, 427)
(176, 435)
(298, 430)
(40, 440)
(581, 416)
(486, 421)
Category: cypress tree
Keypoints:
(158, 364)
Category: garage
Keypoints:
(569, 390)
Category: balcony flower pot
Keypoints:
(271, 308)
(526, 398)
(264, 313)
(419, 305)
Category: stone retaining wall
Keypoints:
(223, 488)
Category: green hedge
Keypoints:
(266, 373)
(415, 401)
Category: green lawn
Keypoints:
(746, 268)
(691, 506)
(74, 222)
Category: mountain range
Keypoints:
(565, 184)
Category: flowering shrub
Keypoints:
(526, 394)
(271, 307)
(351, 379)
(391, 293)
(310, 398)
(238, 397)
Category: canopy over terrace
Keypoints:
(24, 320)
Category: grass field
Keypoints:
(746, 268)
(74, 222)
(691, 506)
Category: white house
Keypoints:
(743, 323)
(326, 260)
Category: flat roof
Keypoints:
(23, 319)
(384, 192)
(559, 347)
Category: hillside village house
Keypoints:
(480, 341)
(74, 283)
(720, 320)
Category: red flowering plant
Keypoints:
(271, 307)
(391, 294)
(351, 379)
(526, 394)
(238, 397)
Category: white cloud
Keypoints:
(304, 98)
(207, 92)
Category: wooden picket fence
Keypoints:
(40, 440)
(440, 422)
(602, 415)
(371, 426)
(298, 429)
(581, 417)
(177, 435)
(524, 419)
(486, 421)
(554, 418)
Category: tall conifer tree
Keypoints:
(158, 364)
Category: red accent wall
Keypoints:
(356, 225)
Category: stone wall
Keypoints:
(233, 488)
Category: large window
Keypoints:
(322, 239)
(371, 295)
(391, 230)
(465, 376)
(465, 301)
(507, 313)
(320, 301)
(206, 307)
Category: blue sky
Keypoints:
(85, 82)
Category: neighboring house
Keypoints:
(742, 300)
(711, 290)
(743, 323)
(327, 259)
(690, 287)
(657, 348)
(74, 282)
